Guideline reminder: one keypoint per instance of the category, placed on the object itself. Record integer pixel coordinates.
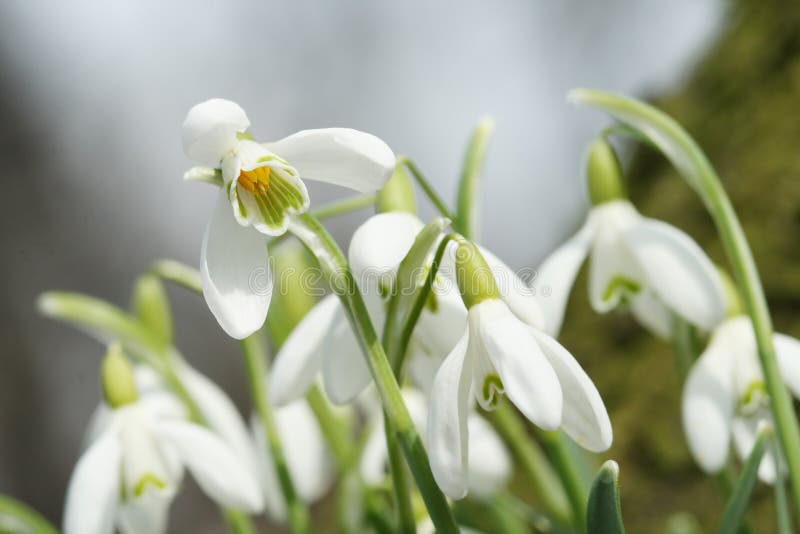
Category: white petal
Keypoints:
(515, 292)
(208, 175)
(708, 402)
(679, 271)
(651, 313)
(374, 457)
(299, 361)
(489, 461)
(612, 268)
(237, 283)
(584, 418)
(220, 412)
(274, 503)
(219, 471)
(379, 245)
(209, 131)
(787, 351)
(447, 422)
(744, 431)
(339, 156)
(528, 378)
(556, 275)
(146, 514)
(94, 489)
(344, 370)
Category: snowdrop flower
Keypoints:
(651, 265)
(489, 462)
(499, 354)
(307, 457)
(725, 396)
(261, 188)
(128, 477)
(324, 341)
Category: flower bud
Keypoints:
(475, 279)
(397, 194)
(151, 306)
(119, 387)
(604, 174)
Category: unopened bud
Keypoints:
(604, 174)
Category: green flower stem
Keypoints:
(256, 364)
(402, 490)
(693, 165)
(430, 192)
(685, 346)
(333, 430)
(570, 476)
(466, 220)
(19, 517)
(340, 207)
(332, 260)
(178, 273)
(544, 482)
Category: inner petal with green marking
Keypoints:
(754, 398)
(266, 195)
(491, 390)
(621, 284)
(145, 481)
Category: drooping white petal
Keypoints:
(94, 489)
(214, 464)
(339, 156)
(651, 313)
(679, 271)
(745, 430)
(344, 370)
(378, 246)
(210, 130)
(613, 270)
(447, 422)
(555, 277)
(489, 462)
(787, 351)
(219, 412)
(374, 456)
(234, 266)
(146, 514)
(708, 403)
(299, 360)
(515, 292)
(528, 378)
(584, 418)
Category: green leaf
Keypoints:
(151, 306)
(603, 514)
(19, 518)
(740, 496)
(468, 190)
(178, 273)
(410, 291)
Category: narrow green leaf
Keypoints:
(19, 518)
(740, 497)
(409, 287)
(151, 306)
(603, 514)
(468, 190)
(178, 273)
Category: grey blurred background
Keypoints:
(92, 96)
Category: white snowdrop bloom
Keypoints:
(261, 188)
(130, 474)
(324, 341)
(307, 457)
(500, 354)
(654, 267)
(725, 397)
(489, 463)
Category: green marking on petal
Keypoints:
(620, 283)
(272, 192)
(754, 397)
(146, 480)
(245, 136)
(432, 302)
(491, 389)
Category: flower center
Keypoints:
(256, 181)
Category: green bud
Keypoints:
(733, 301)
(151, 306)
(475, 278)
(397, 194)
(604, 174)
(119, 387)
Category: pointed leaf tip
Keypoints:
(603, 514)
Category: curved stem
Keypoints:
(402, 490)
(426, 186)
(332, 260)
(577, 492)
(676, 144)
(346, 205)
(256, 364)
(466, 220)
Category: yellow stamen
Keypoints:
(256, 181)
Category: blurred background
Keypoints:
(92, 97)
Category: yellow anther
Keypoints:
(256, 180)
